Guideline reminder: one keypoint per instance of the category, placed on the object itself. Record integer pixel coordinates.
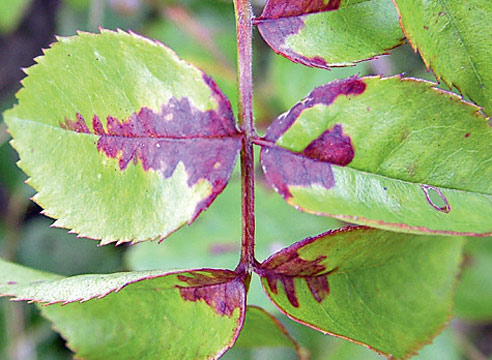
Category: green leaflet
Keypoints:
(154, 315)
(108, 127)
(358, 30)
(417, 158)
(453, 38)
(356, 283)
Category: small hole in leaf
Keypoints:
(436, 198)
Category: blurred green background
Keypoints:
(202, 32)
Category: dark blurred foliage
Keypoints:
(203, 33)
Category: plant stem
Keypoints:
(244, 29)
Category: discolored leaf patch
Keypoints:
(222, 291)
(275, 9)
(331, 146)
(360, 159)
(311, 165)
(123, 141)
(287, 265)
(207, 143)
(136, 315)
(321, 33)
(370, 298)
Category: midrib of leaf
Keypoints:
(177, 138)
(460, 37)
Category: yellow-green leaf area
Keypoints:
(107, 127)
(98, 200)
(111, 73)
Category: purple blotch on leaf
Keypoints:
(223, 291)
(284, 168)
(275, 9)
(331, 146)
(206, 142)
(287, 265)
(281, 19)
(325, 94)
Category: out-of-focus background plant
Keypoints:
(203, 33)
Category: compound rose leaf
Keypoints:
(453, 38)
(123, 141)
(330, 33)
(390, 153)
(195, 314)
(354, 283)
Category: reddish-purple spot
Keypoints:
(430, 194)
(275, 9)
(223, 291)
(79, 125)
(275, 33)
(288, 265)
(283, 168)
(11, 282)
(206, 142)
(325, 95)
(332, 146)
(467, 135)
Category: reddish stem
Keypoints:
(244, 26)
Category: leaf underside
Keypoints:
(334, 33)
(416, 161)
(123, 141)
(453, 38)
(355, 283)
(140, 315)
